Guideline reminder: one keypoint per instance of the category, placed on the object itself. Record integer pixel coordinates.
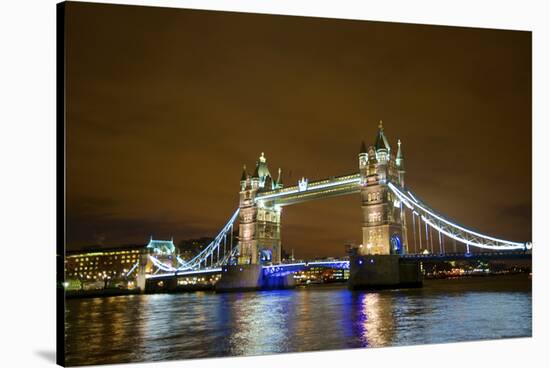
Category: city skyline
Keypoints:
(156, 139)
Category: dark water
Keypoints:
(195, 325)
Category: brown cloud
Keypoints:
(165, 105)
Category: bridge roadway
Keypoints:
(306, 191)
(288, 268)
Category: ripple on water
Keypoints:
(195, 325)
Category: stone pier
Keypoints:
(383, 272)
(250, 278)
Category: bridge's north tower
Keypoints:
(384, 227)
(259, 222)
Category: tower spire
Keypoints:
(381, 140)
(280, 178)
(399, 152)
(400, 159)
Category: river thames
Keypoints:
(157, 327)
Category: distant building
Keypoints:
(321, 275)
(104, 267)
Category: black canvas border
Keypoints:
(60, 184)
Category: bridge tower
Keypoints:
(259, 235)
(377, 262)
(260, 223)
(384, 228)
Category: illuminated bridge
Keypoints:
(268, 271)
(398, 227)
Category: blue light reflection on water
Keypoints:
(195, 325)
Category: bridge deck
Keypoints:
(325, 188)
(295, 267)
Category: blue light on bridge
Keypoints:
(396, 244)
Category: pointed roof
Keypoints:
(399, 152)
(400, 159)
(381, 140)
(244, 176)
(363, 148)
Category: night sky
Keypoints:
(164, 106)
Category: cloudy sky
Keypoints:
(164, 106)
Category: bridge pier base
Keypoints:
(250, 278)
(383, 272)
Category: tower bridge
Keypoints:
(389, 254)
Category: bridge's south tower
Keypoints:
(260, 223)
(384, 228)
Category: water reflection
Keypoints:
(195, 325)
(375, 319)
(260, 323)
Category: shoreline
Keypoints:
(429, 283)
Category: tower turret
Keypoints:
(363, 157)
(255, 179)
(383, 157)
(372, 161)
(363, 163)
(400, 164)
(279, 182)
(244, 178)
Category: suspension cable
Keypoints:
(452, 230)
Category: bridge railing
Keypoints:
(311, 186)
